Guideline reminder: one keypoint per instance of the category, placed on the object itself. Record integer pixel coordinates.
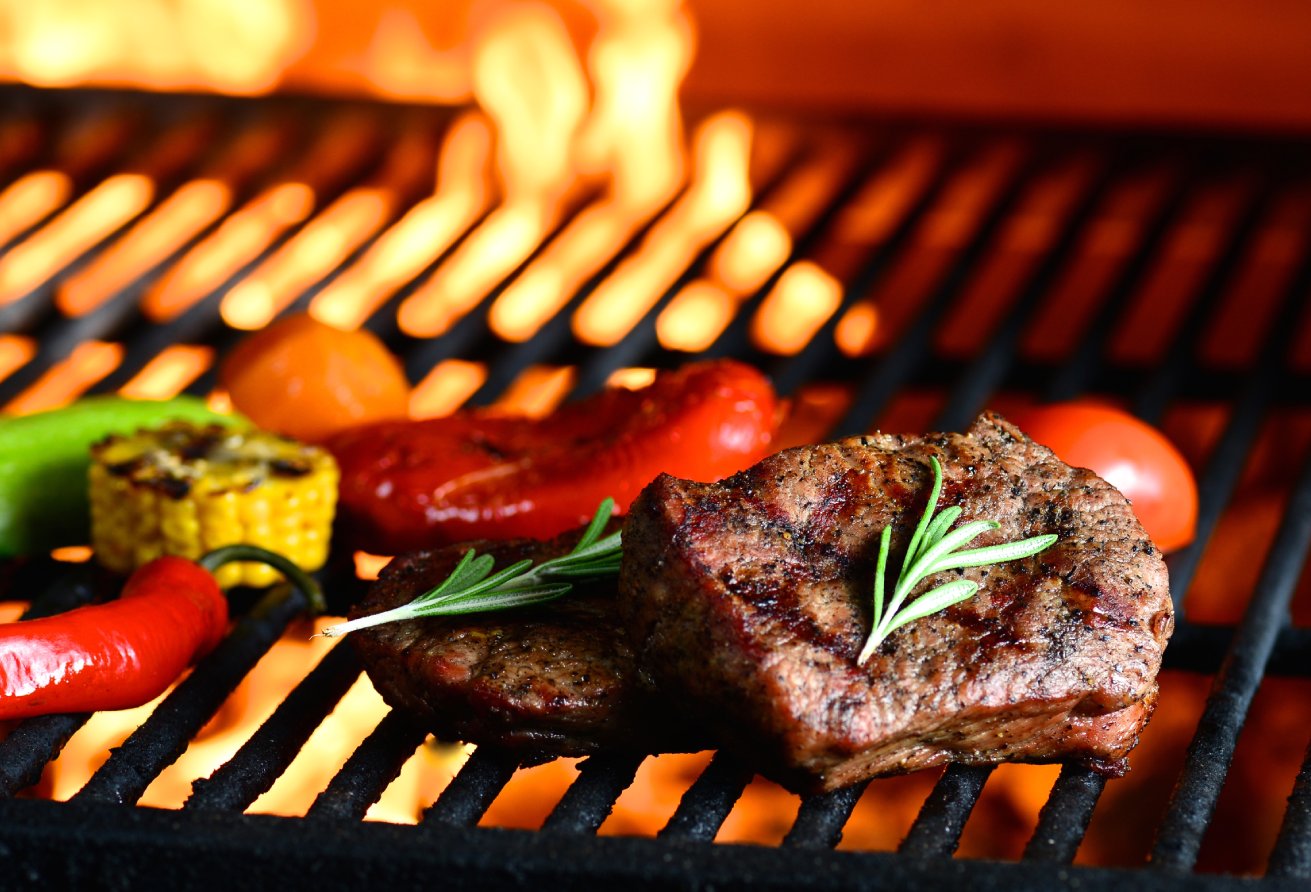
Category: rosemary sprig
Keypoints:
(932, 550)
(473, 588)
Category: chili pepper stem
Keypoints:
(227, 554)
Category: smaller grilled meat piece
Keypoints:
(553, 680)
(752, 597)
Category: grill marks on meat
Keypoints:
(556, 680)
(751, 598)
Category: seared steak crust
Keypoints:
(553, 680)
(751, 598)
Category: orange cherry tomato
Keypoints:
(309, 380)
(1128, 453)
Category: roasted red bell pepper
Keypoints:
(416, 484)
(128, 651)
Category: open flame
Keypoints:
(233, 47)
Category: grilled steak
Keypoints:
(552, 680)
(752, 597)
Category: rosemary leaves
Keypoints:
(934, 548)
(472, 588)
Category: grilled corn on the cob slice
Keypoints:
(185, 489)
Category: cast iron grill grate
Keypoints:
(975, 242)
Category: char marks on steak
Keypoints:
(752, 597)
(553, 680)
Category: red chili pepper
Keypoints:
(128, 651)
(415, 484)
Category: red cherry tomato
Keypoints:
(1128, 453)
(417, 484)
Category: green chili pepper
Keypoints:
(44, 459)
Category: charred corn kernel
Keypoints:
(186, 489)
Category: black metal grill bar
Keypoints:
(986, 373)
(821, 817)
(464, 335)
(471, 334)
(374, 764)
(735, 340)
(265, 756)
(122, 313)
(893, 369)
(705, 805)
(820, 820)
(801, 369)
(937, 829)
(166, 174)
(1227, 458)
(1064, 818)
(1196, 647)
(1086, 785)
(80, 155)
(1291, 856)
(200, 322)
(556, 335)
(144, 338)
(51, 147)
(590, 799)
(165, 735)
(119, 314)
(1073, 376)
(1162, 385)
(1211, 750)
(472, 790)
(170, 849)
(26, 749)
(1070, 807)
(23, 135)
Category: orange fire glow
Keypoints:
(537, 391)
(757, 246)
(802, 300)
(240, 238)
(236, 47)
(84, 223)
(696, 316)
(68, 379)
(29, 199)
(312, 252)
(268, 683)
(15, 352)
(426, 230)
(719, 193)
(171, 225)
(169, 372)
(497, 246)
(446, 388)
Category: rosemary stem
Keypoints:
(364, 622)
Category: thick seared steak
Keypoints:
(557, 679)
(750, 600)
